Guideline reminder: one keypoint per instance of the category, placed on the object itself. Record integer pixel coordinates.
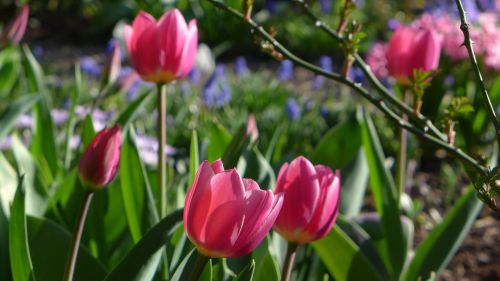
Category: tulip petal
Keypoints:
(172, 35)
(217, 166)
(398, 52)
(301, 187)
(426, 51)
(264, 227)
(189, 51)
(198, 201)
(280, 182)
(223, 228)
(250, 185)
(145, 47)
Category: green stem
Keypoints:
(290, 258)
(162, 141)
(402, 154)
(199, 265)
(464, 26)
(435, 138)
(77, 235)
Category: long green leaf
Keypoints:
(354, 183)
(70, 125)
(137, 199)
(133, 110)
(152, 242)
(247, 273)
(194, 158)
(235, 148)
(185, 268)
(49, 246)
(386, 200)
(218, 140)
(20, 259)
(5, 273)
(9, 116)
(438, 248)
(343, 258)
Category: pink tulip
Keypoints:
(225, 215)
(162, 51)
(311, 200)
(14, 31)
(412, 49)
(99, 163)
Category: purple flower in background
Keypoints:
(292, 109)
(216, 91)
(271, 6)
(356, 74)
(195, 75)
(240, 66)
(489, 5)
(392, 24)
(471, 8)
(323, 111)
(285, 70)
(325, 6)
(148, 149)
(90, 67)
(38, 52)
(112, 44)
(325, 62)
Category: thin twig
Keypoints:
(464, 26)
(377, 102)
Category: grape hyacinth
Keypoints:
(293, 109)
(325, 62)
(285, 70)
(89, 66)
(216, 92)
(240, 66)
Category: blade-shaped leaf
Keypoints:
(191, 265)
(343, 258)
(133, 110)
(235, 148)
(218, 141)
(438, 248)
(15, 109)
(386, 200)
(70, 125)
(194, 157)
(247, 273)
(20, 259)
(354, 184)
(143, 250)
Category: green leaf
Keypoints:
(49, 246)
(266, 267)
(193, 157)
(386, 200)
(70, 125)
(189, 265)
(88, 131)
(9, 69)
(151, 242)
(343, 258)
(218, 141)
(34, 72)
(235, 148)
(435, 252)
(133, 110)
(20, 259)
(8, 186)
(354, 184)
(5, 273)
(136, 191)
(339, 145)
(15, 109)
(247, 273)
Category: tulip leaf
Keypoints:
(190, 264)
(354, 184)
(9, 69)
(13, 111)
(20, 259)
(133, 110)
(266, 267)
(88, 131)
(235, 148)
(49, 246)
(344, 259)
(386, 200)
(219, 139)
(136, 191)
(194, 158)
(435, 252)
(247, 273)
(339, 145)
(5, 274)
(8, 186)
(70, 125)
(153, 241)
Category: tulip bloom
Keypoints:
(99, 163)
(14, 31)
(225, 215)
(162, 51)
(412, 49)
(311, 200)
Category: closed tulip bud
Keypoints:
(311, 200)
(225, 215)
(412, 49)
(162, 51)
(99, 163)
(14, 31)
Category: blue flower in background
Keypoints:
(392, 24)
(449, 7)
(356, 74)
(325, 6)
(216, 92)
(488, 5)
(292, 109)
(285, 71)
(38, 52)
(90, 67)
(271, 6)
(326, 63)
(324, 111)
(195, 75)
(240, 66)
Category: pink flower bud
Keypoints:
(412, 49)
(311, 200)
(14, 31)
(225, 215)
(99, 163)
(162, 51)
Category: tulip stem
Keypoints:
(77, 235)
(290, 258)
(199, 264)
(162, 141)
(402, 153)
